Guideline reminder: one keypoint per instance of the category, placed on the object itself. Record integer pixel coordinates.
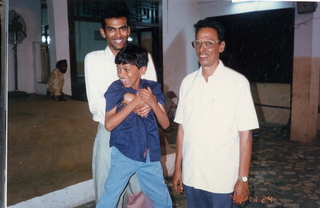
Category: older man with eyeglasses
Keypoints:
(216, 115)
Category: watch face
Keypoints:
(244, 179)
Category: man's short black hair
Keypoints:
(132, 54)
(209, 22)
(115, 9)
(60, 62)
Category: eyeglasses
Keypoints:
(206, 43)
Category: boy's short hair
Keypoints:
(132, 54)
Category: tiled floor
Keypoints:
(284, 174)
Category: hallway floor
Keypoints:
(49, 146)
(283, 174)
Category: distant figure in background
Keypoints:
(56, 82)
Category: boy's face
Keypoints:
(130, 75)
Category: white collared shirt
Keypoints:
(100, 72)
(212, 114)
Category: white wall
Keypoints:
(32, 19)
(59, 33)
(59, 47)
(303, 32)
(179, 16)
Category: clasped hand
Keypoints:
(147, 99)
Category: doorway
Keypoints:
(84, 26)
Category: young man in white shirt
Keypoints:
(100, 72)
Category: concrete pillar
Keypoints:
(305, 86)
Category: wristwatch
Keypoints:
(243, 178)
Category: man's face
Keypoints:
(63, 67)
(129, 75)
(209, 57)
(116, 32)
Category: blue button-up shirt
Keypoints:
(136, 134)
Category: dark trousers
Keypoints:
(197, 198)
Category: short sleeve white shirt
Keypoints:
(100, 72)
(212, 114)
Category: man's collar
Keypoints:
(219, 67)
(109, 52)
(217, 70)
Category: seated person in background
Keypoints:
(134, 139)
(56, 82)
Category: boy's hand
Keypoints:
(142, 110)
(138, 100)
(148, 97)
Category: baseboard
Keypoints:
(69, 197)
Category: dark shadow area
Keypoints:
(260, 44)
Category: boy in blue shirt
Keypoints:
(134, 139)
